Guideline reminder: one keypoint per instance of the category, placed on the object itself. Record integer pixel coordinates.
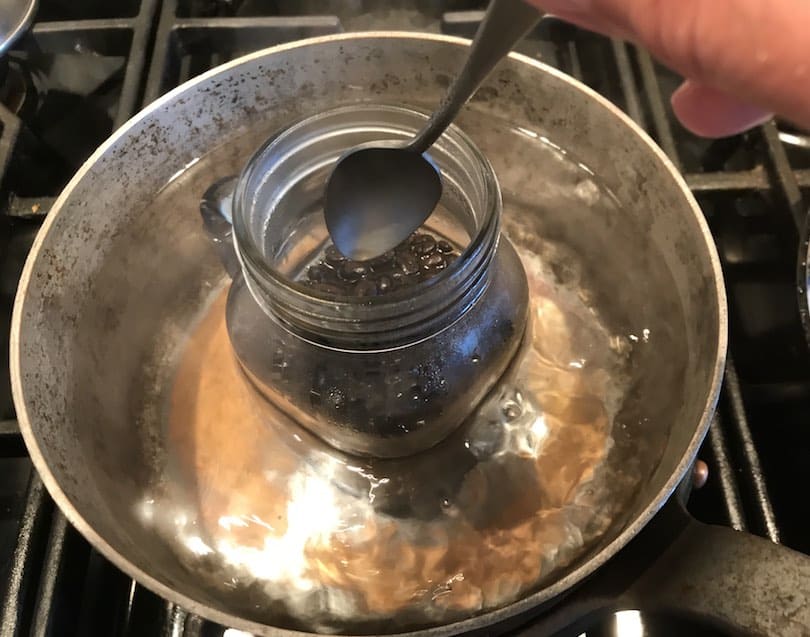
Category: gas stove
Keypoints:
(84, 67)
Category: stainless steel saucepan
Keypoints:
(115, 282)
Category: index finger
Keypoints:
(754, 50)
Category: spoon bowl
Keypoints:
(378, 196)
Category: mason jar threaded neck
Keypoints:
(306, 152)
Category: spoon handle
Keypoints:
(504, 24)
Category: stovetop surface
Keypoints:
(89, 65)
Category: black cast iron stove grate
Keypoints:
(98, 62)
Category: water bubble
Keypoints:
(446, 503)
(511, 410)
(588, 191)
(476, 357)
(486, 440)
(337, 399)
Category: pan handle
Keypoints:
(215, 210)
(737, 580)
(740, 583)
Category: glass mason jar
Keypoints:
(385, 375)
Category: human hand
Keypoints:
(743, 59)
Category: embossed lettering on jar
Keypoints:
(381, 358)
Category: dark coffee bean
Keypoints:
(366, 287)
(444, 246)
(333, 256)
(402, 249)
(385, 270)
(384, 284)
(423, 245)
(352, 270)
(329, 288)
(381, 262)
(417, 258)
(434, 261)
(409, 264)
(318, 272)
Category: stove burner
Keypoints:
(15, 18)
(753, 188)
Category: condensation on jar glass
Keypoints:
(384, 357)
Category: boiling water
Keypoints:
(284, 530)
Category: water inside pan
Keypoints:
(277, 527)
